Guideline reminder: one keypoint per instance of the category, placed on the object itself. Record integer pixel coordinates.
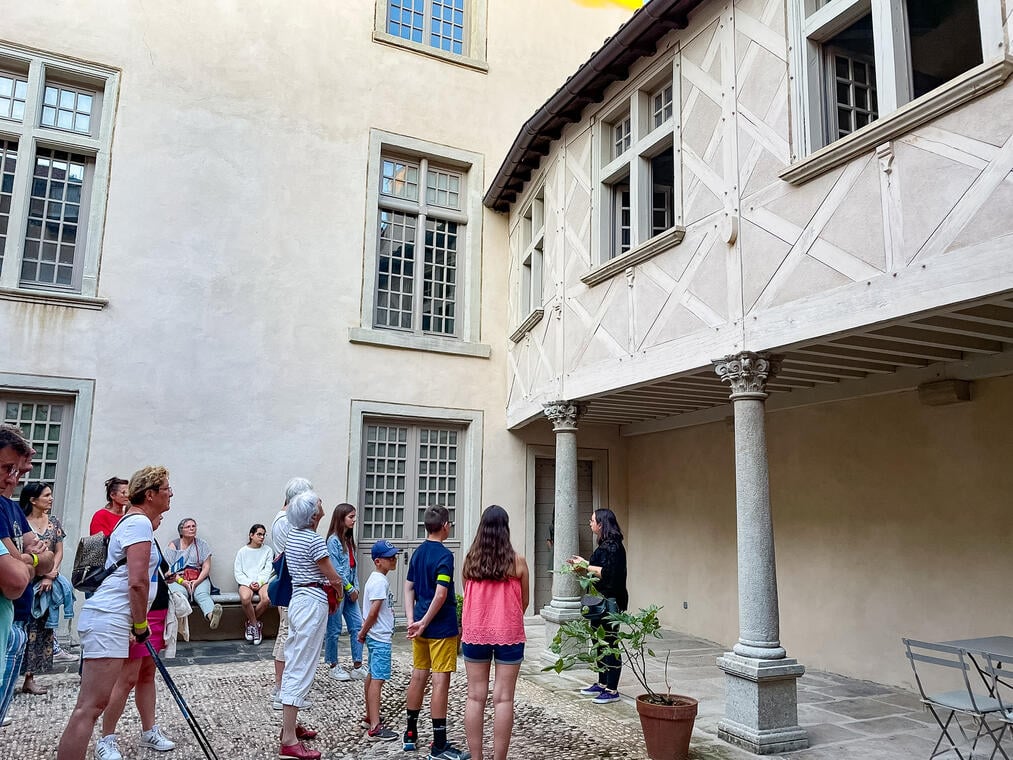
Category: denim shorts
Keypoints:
(379, 659)
(505, 654)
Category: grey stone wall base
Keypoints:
(555, 613)
(769, 742)
(761, 704)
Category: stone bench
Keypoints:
(233, 622)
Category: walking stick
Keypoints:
(198, 732)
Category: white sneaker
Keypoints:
(106, 749)
(156, 740)
(338, 673)
(64, 656)
(359, 673)
(258, 633)
(249, 632)
(215, 617)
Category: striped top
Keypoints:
(302, 551)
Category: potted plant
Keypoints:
(666, 719)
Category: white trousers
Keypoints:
(307, 625)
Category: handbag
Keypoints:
(90, 561)
(594, 608)
(333, 600)
(279, 590)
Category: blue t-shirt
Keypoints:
(432, 565)
(14, 525)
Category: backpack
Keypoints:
(90, 562)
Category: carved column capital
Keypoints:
(564, 414)
(747, 373)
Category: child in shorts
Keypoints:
(376, 633)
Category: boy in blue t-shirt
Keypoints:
(376, 633)
(431, 607)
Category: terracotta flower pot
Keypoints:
(667, 728)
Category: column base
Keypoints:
(555, 613)
(761, 704)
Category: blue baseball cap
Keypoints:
(384, 549)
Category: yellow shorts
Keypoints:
(437, 655)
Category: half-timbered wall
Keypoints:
(916, 223)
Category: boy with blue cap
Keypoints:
(376, 633)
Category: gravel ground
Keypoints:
(232, 703)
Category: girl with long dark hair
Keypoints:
(608, 565)
(496, 591)
(341, 549)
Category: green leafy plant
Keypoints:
(460, 609)
(580, 642)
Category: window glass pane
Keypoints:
(852, 79)
(53, 214)
(395, 270)
(945, 41)
(8, 161)
(621, 219)
(662, 192)
(437, 473)
(404, 21)
(383, 498)
(13, 90)
(67, 108)
(443, 189)
(41, 423)
(439, 278)
(621, 137)
(661, 105)
(399, 179)
(447, 25)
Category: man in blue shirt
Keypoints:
(431, 606)
(20, 541)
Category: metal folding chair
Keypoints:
(947, 706)
(999, 679)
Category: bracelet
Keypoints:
(140, 626)
(35, 560)
(348, 587)
(179, 581)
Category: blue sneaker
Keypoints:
(449, 752)
(606, 697)
(593, 690)
(410, 741)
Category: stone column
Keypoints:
(761, 705)
(565, 604)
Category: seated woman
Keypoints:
(190, 558)
(253, 571)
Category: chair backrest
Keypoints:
(925, 653)
(1000, 682)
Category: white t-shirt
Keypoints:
(114, 593)
(377, 587)
(280, 529)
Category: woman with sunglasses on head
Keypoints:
(194, 555)
(608, 566)
(37, 503)
(105, 519)
(253, 571)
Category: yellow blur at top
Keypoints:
(631, 4)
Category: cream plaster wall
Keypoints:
(890, 520)
(233, 243)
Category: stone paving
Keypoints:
(228, 686)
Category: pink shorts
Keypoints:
(156, 622)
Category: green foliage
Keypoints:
(460, 609)
(580, 642)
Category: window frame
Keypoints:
(42, 70)
(528, 238)
(810, 27)
(469, 251)
(474, 54)
(631, 169)
(470, 424)
(78, 395)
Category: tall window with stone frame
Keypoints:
(52, 139)
(45, 421)
(874, 56)
(638, 180)
(421, 223)
(407, 467)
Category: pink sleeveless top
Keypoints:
(492, 612)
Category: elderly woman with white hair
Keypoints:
(314, 579)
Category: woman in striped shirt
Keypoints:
(313, 579)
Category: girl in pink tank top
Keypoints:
(496, 593)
